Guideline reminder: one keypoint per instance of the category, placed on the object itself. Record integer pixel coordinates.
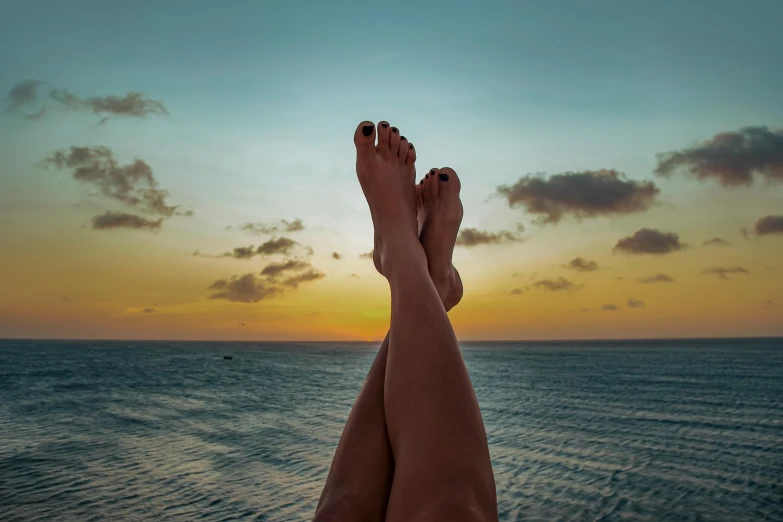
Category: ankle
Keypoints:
(403, 260)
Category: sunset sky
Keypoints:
(638, 146)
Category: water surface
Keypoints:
(674, 430)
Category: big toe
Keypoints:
(364, 137)
(448, 183)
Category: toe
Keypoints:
(409, 157)
(384, 132)
(433, 190)
(394, 142)
(448, 182)
(364, 137)
(403, 150)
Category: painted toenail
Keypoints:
(384, 125)
(367, 130)
(395, 129)
(444, 177)
(411, 145)
(432, 171)
(421, 182)
(426, 176)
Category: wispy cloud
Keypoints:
(270, 228)
(635, 303)
(650, 241)
(273, 281)
(133, 104)
(608, 307)
(336, 256)
(555, 285)
(273, 270)
(470, 237)
(110, 220)
(583, 194)
(149, 311)
(275, 246)
(657, 278)
(133, 184)
(243, 289)
(723, 272)
(366, 255)
(731, 158)
(581, 264)
(716, 241)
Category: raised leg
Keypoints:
(442, 464)
(360, 477)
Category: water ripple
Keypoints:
(594, 431)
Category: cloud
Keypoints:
(635, 303)
(731, 158)
(657, 278)
(110, 220)
(270, 228)
(281, 245)
(586, 194)
(366, 255)
(768, 225)
(295, 280)
(555, 285)
(273, 270)
(716, 241)
(133, 104)
(517, 291)
(149, 311)
(336, 256)
(133, 184)
(769, 303)
(250, 288)
(243, 289)
(21, 95)
(609, 307)
(722, 272)
(581, 264)
(650, 241)
(470, 237)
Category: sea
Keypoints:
(681, 430)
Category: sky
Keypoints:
(185, 170)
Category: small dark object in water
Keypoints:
(228, 357)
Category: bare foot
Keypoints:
(387, 175)
(439, 214)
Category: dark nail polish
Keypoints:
(395, 129)
(367, 130)
(403, 138)
(411, 145)
(443, 177)
(421, 182)
(384, 125)
(432, 171)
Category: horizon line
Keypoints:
(357, 341)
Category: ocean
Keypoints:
(634, 430)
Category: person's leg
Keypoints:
(360, 477)
(359, 480)
(442, 464)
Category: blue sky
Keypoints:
(263, 98)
